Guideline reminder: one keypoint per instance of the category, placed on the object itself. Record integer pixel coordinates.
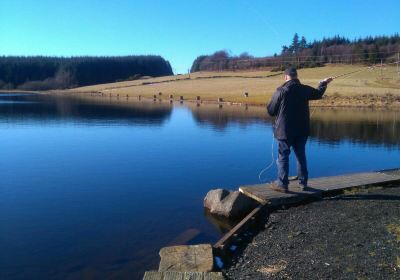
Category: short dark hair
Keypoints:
(291, 71)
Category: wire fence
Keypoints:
(299, 61)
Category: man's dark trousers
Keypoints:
(299, 148)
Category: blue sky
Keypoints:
(182, 30)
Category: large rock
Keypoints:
(214, 198)
(195, 258)
(231, 204)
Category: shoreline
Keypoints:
(364, 101)
(352, 235)
(3, 91)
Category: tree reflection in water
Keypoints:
(328, 125)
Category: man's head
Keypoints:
(290, 73)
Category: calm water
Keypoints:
(92, 189)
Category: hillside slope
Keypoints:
(378, 87)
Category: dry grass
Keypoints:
(231, 86)
(274, 268)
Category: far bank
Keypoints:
(370, 87)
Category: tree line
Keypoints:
(44, 73)
(301, 53)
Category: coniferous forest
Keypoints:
(44, 73)
(301, 53)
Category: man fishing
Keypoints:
(289, 105)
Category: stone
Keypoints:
(194, 258)
(230, 204)
(173, 275)
(214, 198)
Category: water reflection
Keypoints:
(328, 125)
(374, 127)
(364, 126)
(220, 118)
(222, 224)
(34, 107)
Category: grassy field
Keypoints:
(370, 87)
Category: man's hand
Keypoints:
(328, 80)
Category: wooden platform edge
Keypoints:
(389, 173)
(264, 205)
(225, 240)
(249, 194)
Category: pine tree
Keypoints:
(303, 43)
(295, 43)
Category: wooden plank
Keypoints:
(193, 276)
(153, 275)
(255, 193)
(236, 229)
(173, 275)
(349, 181)
(213, 276)
(395, 171)
(264, 194)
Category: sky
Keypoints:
(180, 31)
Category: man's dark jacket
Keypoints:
(290, 106)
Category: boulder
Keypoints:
(194, 258)
(230, 204)
(214, 198)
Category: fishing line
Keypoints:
(313, 111)
(272, 159)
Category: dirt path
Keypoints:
(352, 236)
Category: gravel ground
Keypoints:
(351, 236)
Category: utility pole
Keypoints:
(381, 69)
(398, 58)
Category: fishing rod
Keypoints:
(365, 68)
(349, 73)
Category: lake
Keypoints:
(93, 187)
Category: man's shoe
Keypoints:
(303, 187)
(278, 188)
